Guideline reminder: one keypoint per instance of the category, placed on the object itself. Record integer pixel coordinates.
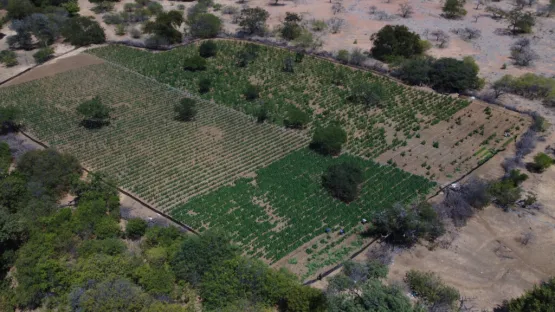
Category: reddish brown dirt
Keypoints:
(56, 67)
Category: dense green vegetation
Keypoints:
(432, 291)
(286, 205)
(311, 88)
(75, 259)
(395, 41)
(539, 299)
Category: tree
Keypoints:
(405, 10)
(83, 31)
(291, 29)
(296, 118)
(503, 85)
(166, 26)
(395, 41)
(208, 49)
(337, 8)
(111, 295)
(416, 71)
(522, 53)
(253, 20)
(23, 37)
(288, 65)
(251, 92)
(18, 9)
(205, 26)
(540, 299)
(204, 85)
(94, 112)
(135, 228)
(328, 140)
(405, 225)
(53, 172)
(454, 9)
(452, 75)
(369, 94)
(343, 180)
(520, 22)
(481, 2)
(431, 289)
(541, 162)
(194, 63)
(441, 37)
(186, 109)
(335, 24)
(9, 119)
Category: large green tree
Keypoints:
(394, 41)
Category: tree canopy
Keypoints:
(328, 140)
(394, 41)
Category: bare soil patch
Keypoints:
(56, 67)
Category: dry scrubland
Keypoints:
(258, 181)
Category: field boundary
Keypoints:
(142, 202)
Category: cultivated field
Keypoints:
(413, 129)
(162, 160)
(258, 182)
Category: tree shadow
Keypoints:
(94, 124)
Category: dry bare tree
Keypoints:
(335, 24)
(373, 9)
(337, 8)
(481, 3)
(405, 10)
(476, 17)
(441, 37)
(527, 238)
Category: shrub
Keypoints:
(194, 63)
(135, 228)
(205, 26)
(9, 119)
(541, 162)
(186, 109)
(343, 56)
(112, 18)
(8, 58)
(103, 7)
(343, 180)
(505, 192)
(291, 30)
(328, 140)
(251, 92)
(94, 112)
(431, 289)
(208, 49)
(395, 41)
(135, 33)
(43, 55)
(120, 30)
(296, 118)
(83, 31)
(247, 55)
(204, 85)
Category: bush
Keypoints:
(135, 228)
(83, 31)
(247, 54)
(43, 55)
(253, 20)
(204, 85)
(541, 162)
(112, 19)
(186, 109)
(8, 58)
(343, 180)
(416, 71)
(208, 49)
(135, 33)
(291, 30)
(431, 289)
(103, 7)
(94, 112)
(343, 56)
(328, 140)
(395, 41)
(9, 119)
(194, 63)
(296, 118)
(251, 92)
(505, 192)
(205, 26)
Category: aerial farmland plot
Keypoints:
(259, 182)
